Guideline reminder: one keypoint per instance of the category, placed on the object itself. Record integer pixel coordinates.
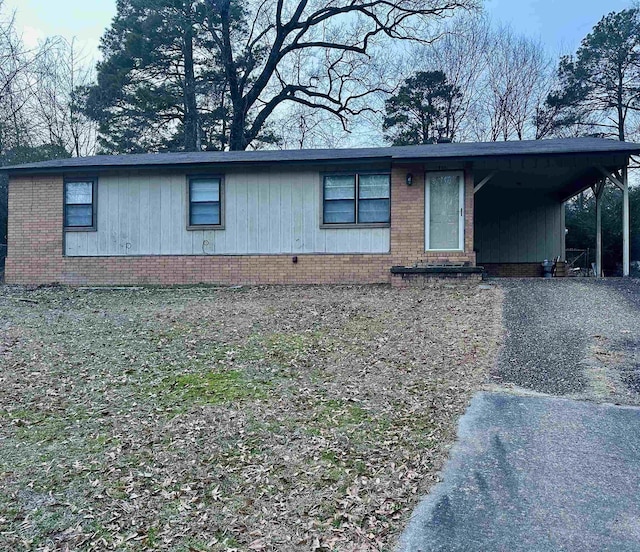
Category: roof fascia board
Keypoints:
(204, 165)
(510, 157)
(390, 157)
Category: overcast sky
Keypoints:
(559, 24)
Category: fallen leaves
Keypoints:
(267, 418)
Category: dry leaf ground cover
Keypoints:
(260, 418)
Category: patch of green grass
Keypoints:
(312, 431)
(339, 414)
(329, 456)
(48, 521)
(280, 348)
(44, 431)
(213, 387)
(8, 508)
(286, 344)
(98, 443)
(152, 537)
(334, 475)
(23, 414)
(362, 325)
(339, 464)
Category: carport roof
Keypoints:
(454, 151)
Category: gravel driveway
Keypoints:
(577, 337)
(538, 473)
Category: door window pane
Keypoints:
(444, 211)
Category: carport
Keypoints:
(519, 196)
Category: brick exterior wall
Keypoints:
(513, 270)
(35, 252)
(423, 281)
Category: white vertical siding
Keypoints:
(266, 212)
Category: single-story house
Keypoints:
(307, 216)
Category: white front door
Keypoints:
(444, 211)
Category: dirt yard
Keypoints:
(265, 418)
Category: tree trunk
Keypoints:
(223, 132)
(191, 123)
(621, 115)
(237, 139)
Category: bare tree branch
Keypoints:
(285, 46)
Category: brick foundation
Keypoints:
(35, 252)
(426, 280)
(513, 270)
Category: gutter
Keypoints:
(204, 165)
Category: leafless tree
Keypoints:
(504, 78)
(38, 95)
(518, 79)
(310, 52)
(461, 54)
(300, 127)
(13, 83)
(57, 77)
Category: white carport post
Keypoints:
(625, 221)
(597, 191)
(622, 182)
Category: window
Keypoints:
(339, 199)
(373, 198)
(80, 204)
(205, 205)
(444, 209)
(356, 199)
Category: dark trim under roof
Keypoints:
(461, 151)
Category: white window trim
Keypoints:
(427, 209)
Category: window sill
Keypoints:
(205, 227)
(355, 226)
(80, 229)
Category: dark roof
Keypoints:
(466, 150)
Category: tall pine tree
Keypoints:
(600, 86)
(158, 87)
(422, 111)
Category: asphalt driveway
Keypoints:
(544, 461)
(536, 474)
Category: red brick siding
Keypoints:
(36, 234)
